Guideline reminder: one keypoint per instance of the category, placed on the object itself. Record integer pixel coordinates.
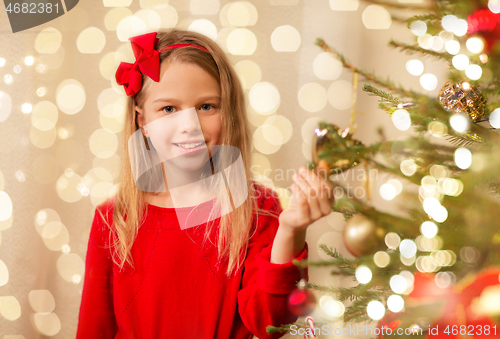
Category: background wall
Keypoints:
(61, 117)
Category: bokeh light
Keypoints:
(312, 97)
(285, 39)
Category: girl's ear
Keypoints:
(139, 116)
(141, 120)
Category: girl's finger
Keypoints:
(302, 188)
(326, 199)
(312, 200)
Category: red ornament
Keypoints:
(301, 302)
(486, 24)
(455, 308)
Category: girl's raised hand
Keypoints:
(312, 198)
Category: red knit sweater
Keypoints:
(176, 291)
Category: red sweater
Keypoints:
(176, 292)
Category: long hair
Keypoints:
(130, 205)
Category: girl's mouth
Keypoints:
(190, 147)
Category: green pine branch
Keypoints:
(412, 49)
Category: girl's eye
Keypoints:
(206, 107)
(168, 109)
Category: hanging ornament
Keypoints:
(302, 301)
(486, 24)
(362, 237)
(339, 143)
(462, 97)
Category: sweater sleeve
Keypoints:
(96, 318)
(266, 286)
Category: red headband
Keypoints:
(147, 61)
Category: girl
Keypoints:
(149, 275)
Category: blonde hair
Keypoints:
(130, 202)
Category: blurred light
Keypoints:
(415, 67)
(41, 91)
(408, 248)
(428, 81)
(424, 41)
(440, 214)
(459, 123)
(376, 17)
(241, 41)
(463, 158)
(446, 36)
(460, 61)
(475, 45)
(41, 301)
(2, 62)
(392, 240)
(334, 308)
(10, 308)
(26, 108)
(429, 229)
(473, 72)
(312, 97)
(443, 279)
(395, 303)
(437, 129)
(408, 167)
(436, 43)
(452, 47)
(388, 191)
(418, 27)
(449, 22)
(8, 79)
(327, 67)
(205, 27)
(48, 41)
(381, 259)
(249, 73)
(451, 187)
(91, 41)
(363, 274)
(460, 27)
(285, 38)
(495, 118)
(29, 60)
(401, 119)
(483, 57)
(431, 205)
(264, 98)
(397, 185)
(398, 284)
(375, 310)
(70, 96)
(494, 6)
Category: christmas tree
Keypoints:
(435, 270)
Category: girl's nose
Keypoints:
(189, 121)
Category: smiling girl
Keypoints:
(149, 275)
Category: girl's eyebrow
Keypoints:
(200, 98)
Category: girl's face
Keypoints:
(188, 99)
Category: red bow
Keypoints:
(147, 61)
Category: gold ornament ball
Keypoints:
(333, 138)
(362, 237)
(462, 98)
